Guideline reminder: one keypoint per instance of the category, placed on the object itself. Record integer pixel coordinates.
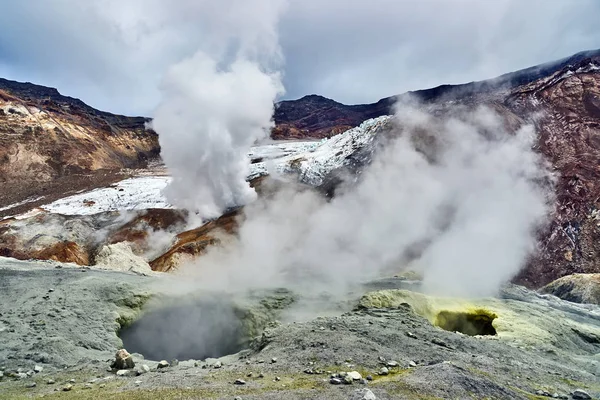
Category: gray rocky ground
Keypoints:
(59, 323)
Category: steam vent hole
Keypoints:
(190, 330)
(472, 323)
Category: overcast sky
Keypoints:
(112, 54)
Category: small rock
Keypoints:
(309, 371)
(1, 374)
(261, 375)
(237, 398)
(163, 364)
(412, 364)
(335, 381)
(411, 335)
(123, 360)
(50, 290)
(260, 361)
(138, 383)
(31, 385)
(369, 377)
(217, 365)
(348, 380)
(102, 385)
(38, 368)
(555, 395)
(355, 375)
(384, 371)
(273, 360)
(71, 380)
(392, 364)
(21, 375)
(249, 375)
(581, 395)
(67, 388)
(363, 394)
(50, 381)
(123, 372)
(30, 372)
(174, 363)
(439, 342)
(364, 381)
(239, 382)
(143, 369)
(87, 386)
(277, 379)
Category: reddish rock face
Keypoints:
(569, 136)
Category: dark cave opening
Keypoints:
(189, 329)
(472, 323)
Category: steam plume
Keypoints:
(459, 197)
(216, 104)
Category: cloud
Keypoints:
(113, 54)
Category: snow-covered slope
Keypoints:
(312, 161)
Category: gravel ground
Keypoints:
(65, 320)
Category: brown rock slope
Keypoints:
(45, 138)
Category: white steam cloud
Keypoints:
(217, 103)
(458, 198)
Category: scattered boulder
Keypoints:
(384, 371)
(162, 364)
(576, 288)
(123, 372)
(31, 385)
(335, 381)
(581, 395)
(363, 394)
(142, 370)
(123, 360)
(355, 375)
(67, 388)
(239, 382)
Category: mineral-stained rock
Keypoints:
(195, 242)
(578, 288)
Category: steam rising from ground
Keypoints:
(458, 198)
(217, 103)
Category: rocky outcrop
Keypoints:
(578, 288)
(45, 136)
(120, 257)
